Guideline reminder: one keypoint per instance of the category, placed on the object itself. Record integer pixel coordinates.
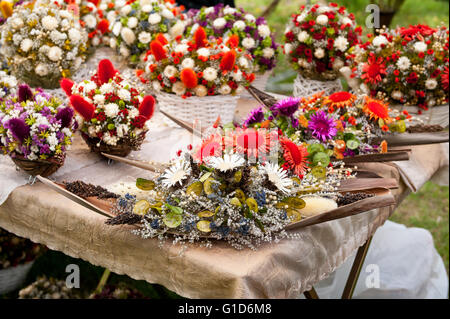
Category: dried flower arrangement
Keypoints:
(235, 24)
(339, 125)
(134, 24)
(319, 40)
(197, 66)
(15, 250)
(35, 130)
(114, 115)
(220, 190)
(43, 43)
(407, 66)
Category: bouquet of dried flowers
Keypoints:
(339, 125)
(251, 34)
(408, 66)
(114, 115)
(319, 40)
(221, 190)
(134, 24)
(197, 66)
(43, 43)
(35, 130)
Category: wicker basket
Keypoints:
(204, 109)
(436, 115)
(39, 167)
(260, 83)
(304, 87)
(13, 278)
(123, 148)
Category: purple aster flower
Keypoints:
(45, 149)
(322, 127)
(255, 116)
(65, 115)
(25, 93)
(19, 129)
(294, 122)
(348, 153)
(286, 107)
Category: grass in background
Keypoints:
(429, 209)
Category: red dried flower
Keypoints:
(83, 107)
(228, 61)
(158, 50)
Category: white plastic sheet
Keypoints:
(403, 259)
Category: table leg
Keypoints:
(356, 270)
(311, 294)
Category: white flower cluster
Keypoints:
(43, 44)
(8, 84)
(134, 25)
(119, 114)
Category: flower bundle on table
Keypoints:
(8, 84)
(319, 40)
(113, 112)
(227, 197)
(35, 126)
(134, 24)
(43, 44)
(407, 66)
(234, 24)
(339, 125)
(197, 66)
(90, 18)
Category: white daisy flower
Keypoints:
(90, 21)
(147, 8)
(403, 63)
(175, 174)
(177, 29)
(225, 89)
(219, 23)
(250, 17)
(203, 52)
(341, 43)
(41, 69)
(248, 43)
(288, 48)
(268, 53)
(243, 62)
(154, 18)
(128, 36)
(200, 90)
(124, 94)
(178, 88)
(74, 35)
(170, 71)
(322, 19)
(55, 54)
(17, 23)
(144, 37)
(240, 25)
(379, 40)
(188, 63)
(303, 36)
(264, 31)
(229, 10)
(26, 45)
(49, 22)
(431, 84)
(167, 14)
(132, 22)
(420, 46)
(227, 163)
(278, 177)
(126, 10)
(210, 74)
(111, 110)
(319, 53)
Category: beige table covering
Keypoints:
(276, 270)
